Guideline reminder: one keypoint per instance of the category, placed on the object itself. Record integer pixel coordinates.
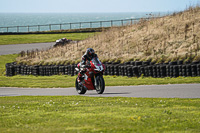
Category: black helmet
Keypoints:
(90, 53)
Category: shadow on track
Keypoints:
(109, 93)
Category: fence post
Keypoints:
(122, 22)
(17, 28)
(38, 27)
(28, 28)
(90, 24)
(7, 29)
(80, 25)
(70, 26)
(60, 26)
(111, 23)
(50, 27)
(100, 23)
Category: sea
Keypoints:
(30, 21)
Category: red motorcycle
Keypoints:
(93, 78)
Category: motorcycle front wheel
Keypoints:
(100, 84)
(79, 89)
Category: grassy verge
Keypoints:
(69, 81)
(88, 114)
(37, 38)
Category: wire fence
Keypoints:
(68, 26)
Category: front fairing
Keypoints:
(96, 65)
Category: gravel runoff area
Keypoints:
(147, 91)
(17, 48)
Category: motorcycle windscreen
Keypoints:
(96, 61)
(97, 64)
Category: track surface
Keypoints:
(151, 91)
(17, 48)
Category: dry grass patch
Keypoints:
(169, 38)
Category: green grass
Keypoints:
(69, 81)
(88, 114)
(38, 38)
(65, 81)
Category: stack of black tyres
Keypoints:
(180, 70)
(61, 70)
(183, 71)
(69, 70)
(138, 69)
(107, 71)
(17, 69)
(55, 70)
(25, 70)
(121, 70)
(162, 70)
(194, 70)
(198, 69)
(130, 69)
(72, 70)
(75, 72)
(116, 69)
(66, 70)
(35, 71)
(41, 72)
(188, 70)
(9, 69)
(112, 70)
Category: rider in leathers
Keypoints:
(86, 58)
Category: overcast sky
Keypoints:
(45, 6)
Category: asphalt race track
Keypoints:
(147, 91)
(17, 48)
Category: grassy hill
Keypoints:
(169, 38)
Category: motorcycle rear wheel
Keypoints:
(100, 87)
(80, 90)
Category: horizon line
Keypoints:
(94, 12)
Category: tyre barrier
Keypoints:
(129, 69)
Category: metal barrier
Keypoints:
(68, 26)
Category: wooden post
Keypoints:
(90, 24)
(7, 29)
(100, 23)
(70, 26)
(38, 28)
(28, 28)
(122, 23)
(50, 27)
(80, 25)
(17, 28)
(60, 26)
(111, 23)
